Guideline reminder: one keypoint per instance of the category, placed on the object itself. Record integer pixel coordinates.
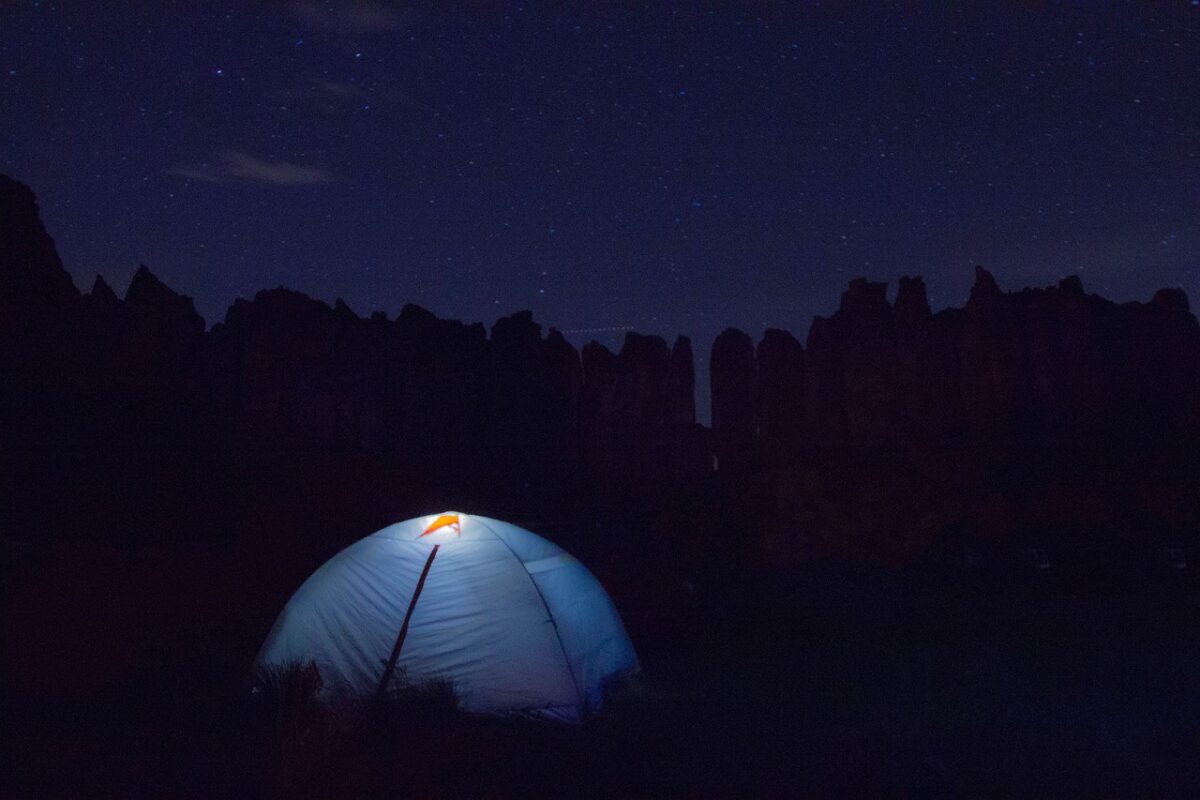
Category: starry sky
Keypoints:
(674, 169)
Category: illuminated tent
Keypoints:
(512, 620)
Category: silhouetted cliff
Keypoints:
(517, 409)
(1045, 362)
(889, 428)
(36, 293)
(1045, 414)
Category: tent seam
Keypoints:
(583, 703)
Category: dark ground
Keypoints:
(1000, 680)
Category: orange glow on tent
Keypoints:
(443, 521)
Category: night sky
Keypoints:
(671, 170)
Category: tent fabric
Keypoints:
(512, 620)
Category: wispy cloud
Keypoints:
(340, 89)
(235, 166)
(358, 16)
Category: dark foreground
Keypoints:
(832, 680)
(165, 485)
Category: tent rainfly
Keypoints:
(511, 620)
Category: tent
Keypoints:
(511, 619)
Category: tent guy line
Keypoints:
(390, 666)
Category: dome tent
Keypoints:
(511, 619)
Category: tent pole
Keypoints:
(412, 604)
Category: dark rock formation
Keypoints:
(534, 390)
(438, 378)
(602, 450)
(638, 413)
(1045, 362)
(731, 372)
(1011, 402)
(889, 426)
(37, 296)
(995, 377)
(32, 278)
(166, 327)
(926, 364)
(681, 385)
(779, 400)
(852, 380)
